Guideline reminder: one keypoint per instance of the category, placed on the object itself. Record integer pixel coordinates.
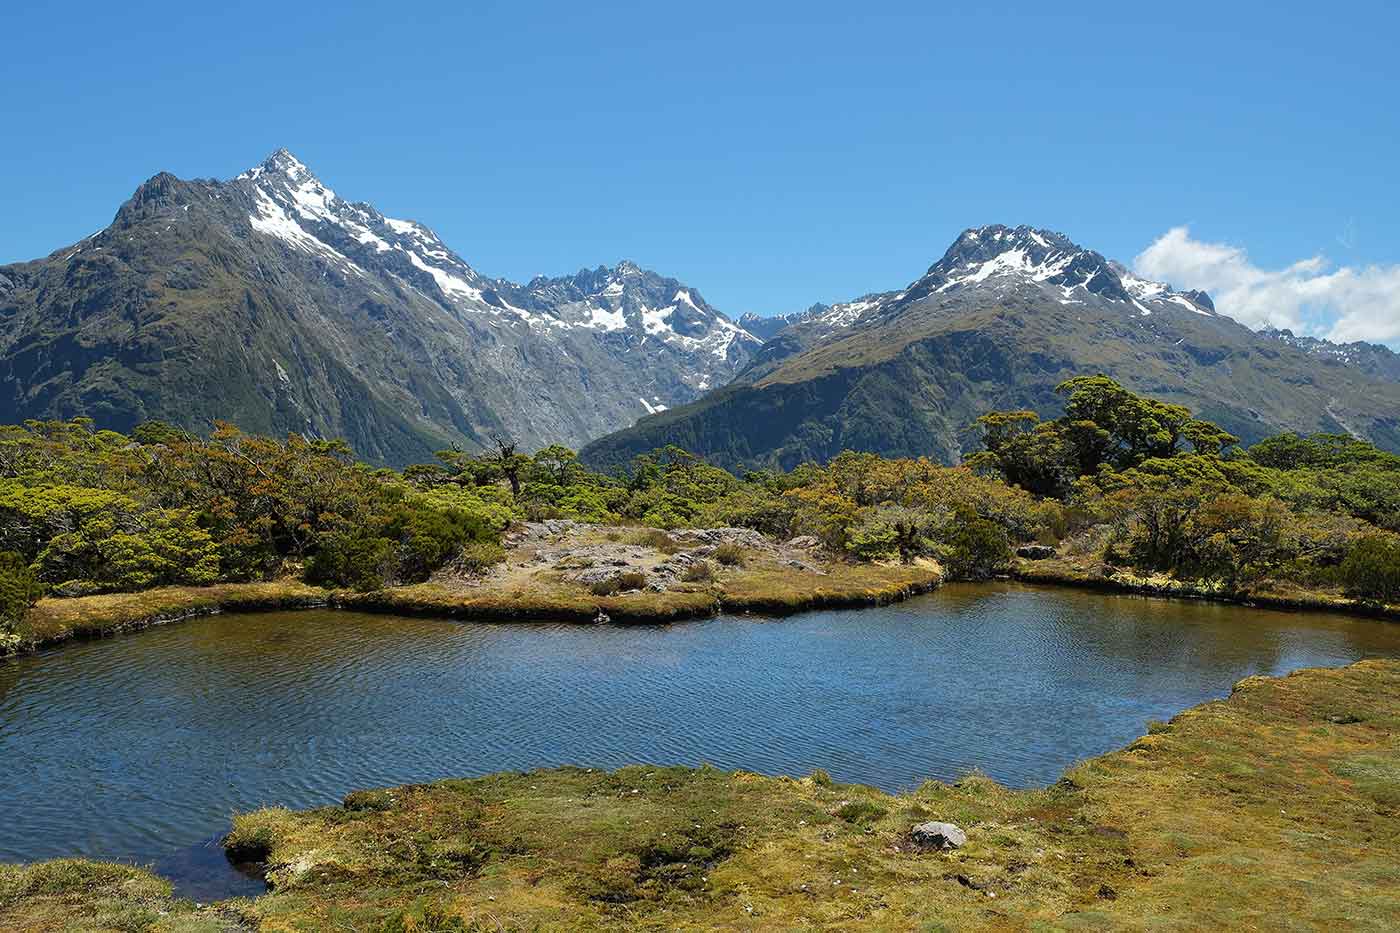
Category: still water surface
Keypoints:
(142, 747)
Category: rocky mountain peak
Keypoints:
(1001, 257)
(161, 192)
(281, 163)
(979, 244)
(324, 316)
(1028, 253)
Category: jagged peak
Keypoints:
(1002, 237)
(162, 190)
(980, 244)
(281, 162)
(998, 253)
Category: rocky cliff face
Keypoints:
(997, 322)
(270, 301)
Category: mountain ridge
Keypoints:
(270, 301)
(997, 322)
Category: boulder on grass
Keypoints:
(936, 835)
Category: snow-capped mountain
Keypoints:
(985, 263)
(1001, 318)
(996, 260)
(271, 301)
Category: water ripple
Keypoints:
(142, 747)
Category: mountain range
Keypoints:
(271, 302)
(1003, 317)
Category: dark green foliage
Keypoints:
(1372, 570)
(430, 537)
(1104, 425)
(19, 589)
(358, 561)
(978, 549)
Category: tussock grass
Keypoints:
(654, 538)
(729, 554)
(699, 572)
(76, 894)
(775, 589)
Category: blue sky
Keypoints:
(770, 154)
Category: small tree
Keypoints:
(1372, 570)
(19, 590)
(509, 461)
(977, 548)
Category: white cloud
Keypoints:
(1308, 297)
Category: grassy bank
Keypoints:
(55, 620)
(1278, 808)
(762, 586)
(1271, 595)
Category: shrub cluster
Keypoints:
(1141, 483)
(95, 511)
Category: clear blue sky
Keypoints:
(771, 154)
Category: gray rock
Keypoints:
(711, 537)
(936, 835)
(1035, 552)
(593, 575)
(802, 543)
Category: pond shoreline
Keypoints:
(58, 620)
(55, 621)
(1127, 838)
(1060, 573)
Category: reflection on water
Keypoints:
(142, 747)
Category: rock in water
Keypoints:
(936, 835)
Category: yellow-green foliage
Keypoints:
(1153, 488)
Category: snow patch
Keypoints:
(446, 281)
(601, 318)
(271, 220)
(655, 320)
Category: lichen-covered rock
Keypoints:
(936, 835)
